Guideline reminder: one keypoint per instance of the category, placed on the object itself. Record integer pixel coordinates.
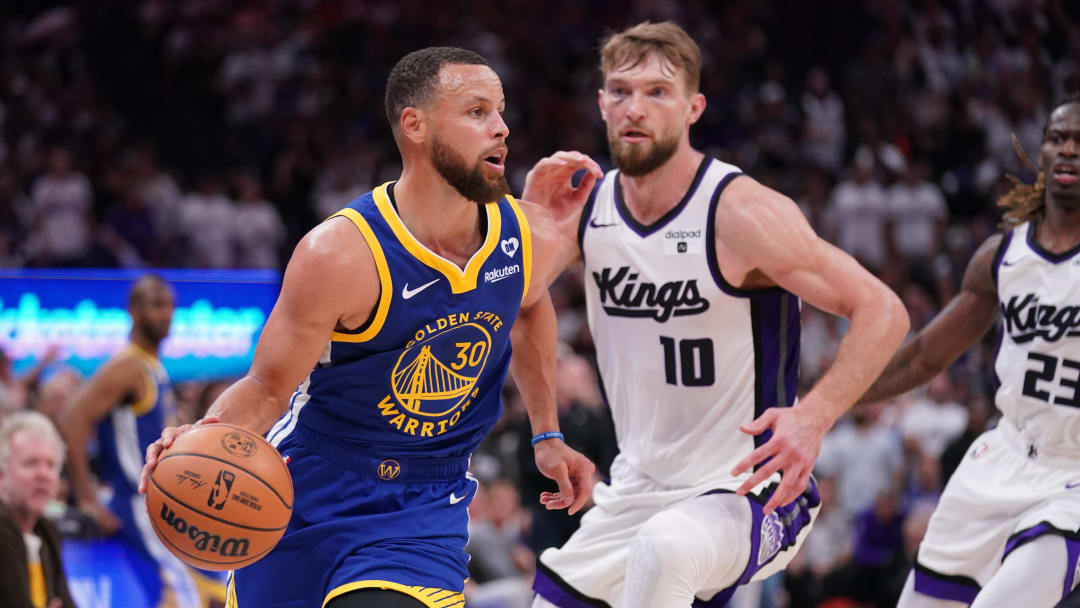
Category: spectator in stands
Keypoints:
(208, 223)
(31, 455)
(62, 227)
(858, 211)
(259, 230)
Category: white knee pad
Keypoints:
(686, 549)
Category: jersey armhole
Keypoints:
(149, 398)
(586, 214)
(999, 255)
(526, 243)
(371, 327)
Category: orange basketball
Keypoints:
(220, 497)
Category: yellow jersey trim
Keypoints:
(526, 243)
(230, 592)
(460, 280)
(386, 287)
(431, 597)
(150, 362)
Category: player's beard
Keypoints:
(636, 160)
(470, 183)
(154, 332)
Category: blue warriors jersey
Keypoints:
(423, 376)
(129, 429)
(123, 437)
(379, 435)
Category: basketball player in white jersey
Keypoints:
(693, 276)
(1007, 529)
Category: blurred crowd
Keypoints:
(203, 133)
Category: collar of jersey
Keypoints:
(460, 280)
(144, 355)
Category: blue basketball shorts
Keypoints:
(363, 522)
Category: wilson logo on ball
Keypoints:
(202, 540)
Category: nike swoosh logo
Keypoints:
(1012, 263)
(408, 293)
(1075, 484)
(455, 499)
(593, 223)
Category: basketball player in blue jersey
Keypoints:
(1006, 531)
(694, 273)
(380, 368)
(126, 404)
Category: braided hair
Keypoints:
(1025, 202)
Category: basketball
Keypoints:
(220, 497)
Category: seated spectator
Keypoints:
(31, 454)
(501, 566)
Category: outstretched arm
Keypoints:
(331, 277)
(963, 321)
(550, 184)
(534, 338)
(762, 239)
(116, 382)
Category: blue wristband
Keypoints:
(548, 435)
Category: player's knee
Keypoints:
(674, 539)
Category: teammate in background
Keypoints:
(394, 321)
(1008, 523)
(693, 279)
(31, 455)
(126, 404)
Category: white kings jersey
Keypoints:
(684, 357)
(1038, 358)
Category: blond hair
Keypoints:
(35, 423)
(632, 46)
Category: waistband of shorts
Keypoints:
(1038, 453)
(396, 469)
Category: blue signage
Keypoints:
(83, 313)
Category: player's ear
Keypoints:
(413, 124)
(697, 107)
(600, 102)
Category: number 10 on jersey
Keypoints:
(692, 360)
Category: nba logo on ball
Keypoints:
(220, 492)
(220, 497)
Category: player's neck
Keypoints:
(141, 342)
(652, 195)
(1059, 230)
(438, 216)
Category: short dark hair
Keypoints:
(139, 291)
(1070, 98)
(413, 79)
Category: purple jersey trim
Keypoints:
(643, 230)
(774, 315)
(1072, 547)
(550, 586)
(945, 587)
(1053, 258)
(586, 215)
